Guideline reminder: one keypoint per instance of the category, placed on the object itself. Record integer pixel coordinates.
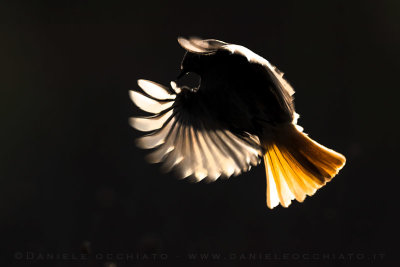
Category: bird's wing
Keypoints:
(201, 46)
(188, 138)
(209, 46)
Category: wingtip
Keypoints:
(193, 44)
(132, 122)
(182, 41)
(131, 94)
(187, 44)
(180, 37)
(144, 82)
(140, 81)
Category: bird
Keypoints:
(241, 114)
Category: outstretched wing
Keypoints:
(187, 137)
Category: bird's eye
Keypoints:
(190, 80)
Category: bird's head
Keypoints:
(191, 69)
(191, 63)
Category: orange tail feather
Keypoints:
(297, 166)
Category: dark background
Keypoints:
(72, 180)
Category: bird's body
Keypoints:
(238, 94)
(242, 111)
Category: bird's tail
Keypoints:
(296, 165)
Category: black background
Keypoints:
(73, 181)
